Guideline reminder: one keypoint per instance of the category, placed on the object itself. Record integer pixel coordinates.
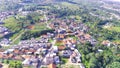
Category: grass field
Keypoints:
(11, 23)
(40, 26)
(70, 66)
(117, 29)
(65, 60)
(116, 41)
(58, 43)
(71, 6)
(67, 5)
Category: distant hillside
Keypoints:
(42, 1)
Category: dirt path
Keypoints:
(18, 36)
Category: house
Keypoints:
(60, 37)
(30, 27)
(55, 49)
(1, 65)
(87, 36)
(75, 57)
(100, 50)
(26, 56)
(3, 29)
(16, 51)
(60, 48)
(10, 55)
(56, 60)
(18, 58)
(106, 42)
(1, 55)
(52, 65)
(73, 60)
(81, 65)
(2, 50)
(48, 60)
(5, 42)
(26, 62)
(8, 51)
(67, 53)
(1, 23)
(92, 41)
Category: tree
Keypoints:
(15, 64)
(114, 65)
(93, 62)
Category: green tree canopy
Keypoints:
(114, 65)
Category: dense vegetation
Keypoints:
(34, 34)
(107, 58)
(13, 63)
(9, 5)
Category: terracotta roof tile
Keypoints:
(52, 66)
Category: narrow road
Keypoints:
(46, 20)
(18, 36)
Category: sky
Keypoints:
(116, 0)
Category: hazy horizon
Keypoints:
(114, 0)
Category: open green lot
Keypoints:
(12, 23)
(117, 29)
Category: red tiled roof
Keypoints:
(18, 58)
(26, 56)
(87, 36)
(52, 66)
(31, 27)
(10, 55)
(1, 55)
(60, 36)
(61, 47)
(16, 51)
(105, 42)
